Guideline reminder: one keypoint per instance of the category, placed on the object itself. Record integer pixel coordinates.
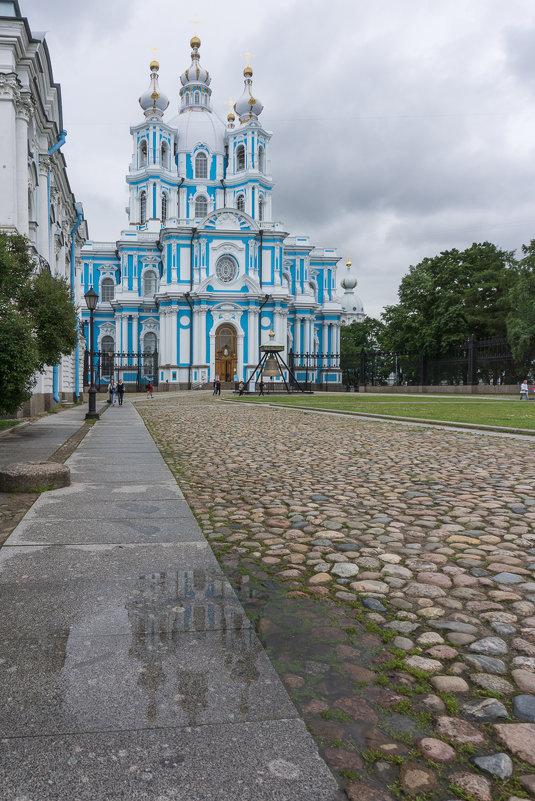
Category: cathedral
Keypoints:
(203, 274)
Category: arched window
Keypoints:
(106, 347)
(143, 208)
(143, 153)
(150, 283)
(260, 159)
(201, 165)
(197, 98)
(240, 158)
(261, 204)
(240, 202)
(150, 344)
(164, 207)
(201, 207)
(107, 290)
(165, 156)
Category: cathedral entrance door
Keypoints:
(226, 355)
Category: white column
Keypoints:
(124, 332)
(23, 107)
(117, 333)
(173, 356)
(164, 336)
(254, 355)
(202, 335)
(43, 219)
(9, 93)
(298, 344)
(135, 330)
(196, 318)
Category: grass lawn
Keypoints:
(507, 412)
(8, 423)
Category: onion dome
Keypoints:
(248, 106)
(195, 74)
(153, 102)
(231, 119)
(349, 282)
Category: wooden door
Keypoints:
(226, 356)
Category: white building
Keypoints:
(35, 197)
(204, 271)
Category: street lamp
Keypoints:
(91, 300)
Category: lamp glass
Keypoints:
(91, 299)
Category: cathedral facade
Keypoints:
(203, 274)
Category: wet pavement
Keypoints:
(390, 573)
(129, 668)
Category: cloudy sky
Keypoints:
(401, 127)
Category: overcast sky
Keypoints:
(400, 127)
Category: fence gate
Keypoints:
(136, 369)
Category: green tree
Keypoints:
(355, 336)
(445, 299)
(521, 317)
(37, 321)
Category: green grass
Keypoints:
(8, 423)
(507, 412)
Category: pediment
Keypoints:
(230, 220)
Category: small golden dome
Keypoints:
(230, 117)
(154, 65)
(248, 71)
(195, 42)
(348, 262)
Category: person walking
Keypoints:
(150, 390)
(217, 386)
(120, 391)
(261, 387)
(112, 389)
(524, 389)
(241, 387)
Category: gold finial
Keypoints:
(195, 22)
(248, 56)
(248, 71)
(348, 262)
(154, 65)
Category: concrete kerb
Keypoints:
(392, 419)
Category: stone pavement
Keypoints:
(425, 539)
(129, 670)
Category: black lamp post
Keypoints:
(91, 300)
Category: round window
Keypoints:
(226, 269)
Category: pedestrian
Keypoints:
(217, 386)
(150, 389)
(261, 387)
(112, 389)
(120, 391)
(241, 387)
(524, 388)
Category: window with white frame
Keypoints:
(107, 290)
(143, 208)
(165, 155)
(164, 207)
(240, 158)
(260, 158)
(240, 202)
(261, 205)
(201, 206)
(197, 98)
(106, 347)
(150, 283)
(226, 269)
(201, 165)
(143, 153)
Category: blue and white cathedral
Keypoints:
(203, 275)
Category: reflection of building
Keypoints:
(352, 308)
(166, 610)
(35, 196)
(203, 273)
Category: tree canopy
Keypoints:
(445, 299)
(355, 336)
(521, 316)
(37, 321)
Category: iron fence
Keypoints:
(136, 369)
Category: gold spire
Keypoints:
(348, 262)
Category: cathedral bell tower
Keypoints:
(152, 177)
(248, 175)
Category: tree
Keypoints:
(445, 299)
(355, 336)
(37, 321)
(521, 317)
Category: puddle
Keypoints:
(329, 665)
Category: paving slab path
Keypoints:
(128, 667)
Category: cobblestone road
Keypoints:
(426, 539)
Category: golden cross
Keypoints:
(248, 56)
(154, 50)
(230, 104)
(195, 22)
